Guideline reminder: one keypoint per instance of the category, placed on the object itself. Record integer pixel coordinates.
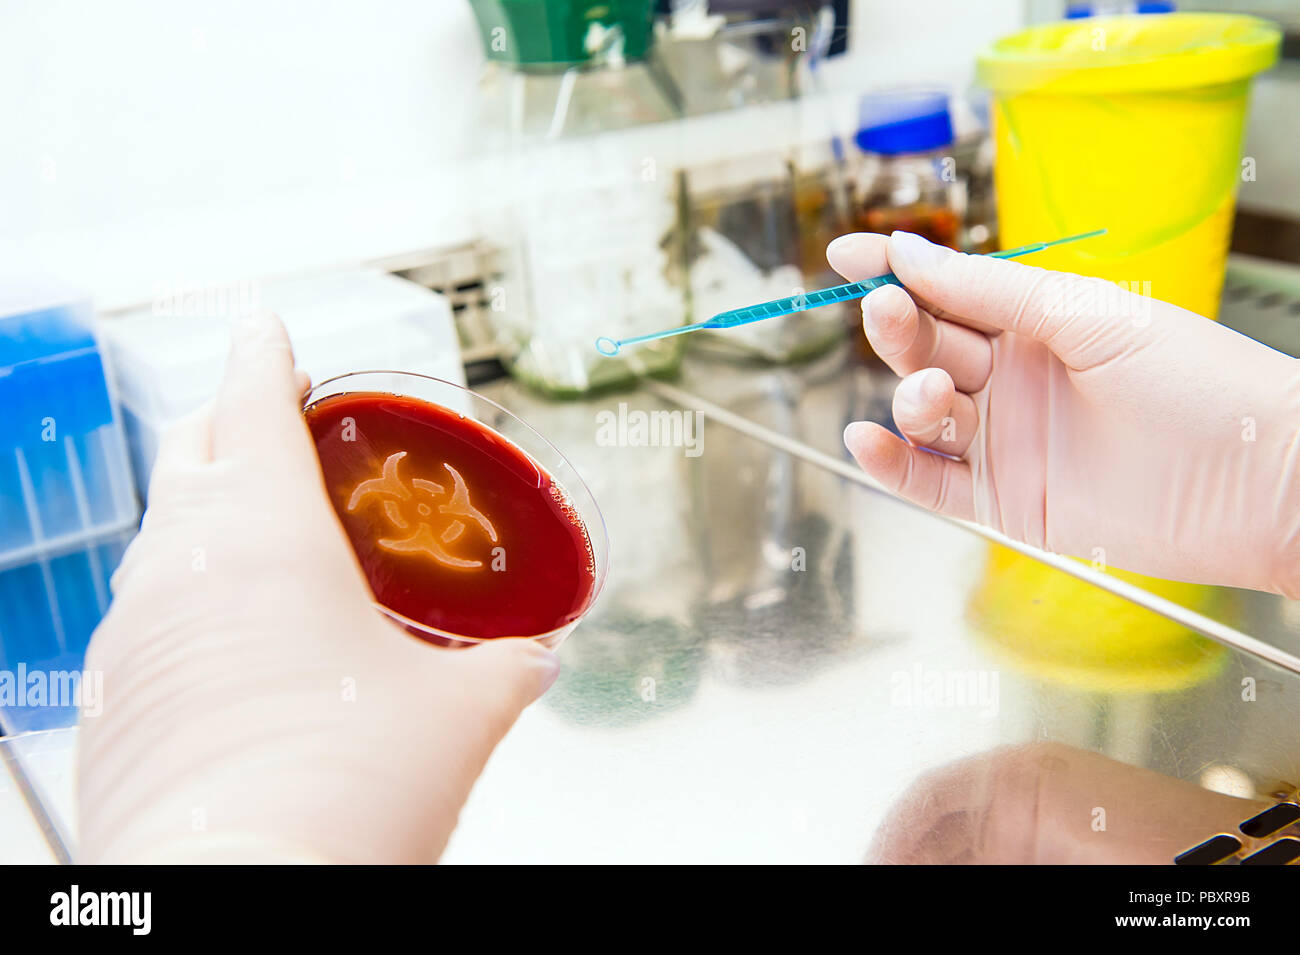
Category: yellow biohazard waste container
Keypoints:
(1133, 124)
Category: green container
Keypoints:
(539, 33)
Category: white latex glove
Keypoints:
(256, 706)
(1080, 418)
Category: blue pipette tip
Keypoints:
(607, 346)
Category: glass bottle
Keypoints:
(762, 211)
(576, 140)
(907, 176)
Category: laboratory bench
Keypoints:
(788, 665)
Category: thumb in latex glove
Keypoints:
(1081, 418)
(256, 706)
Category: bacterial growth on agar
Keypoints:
(455, 527)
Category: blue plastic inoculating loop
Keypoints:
(803, 301)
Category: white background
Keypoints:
(147, 142)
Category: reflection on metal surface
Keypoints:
(1056, 628)
(1227, 780)
(1050, 804)
(777, 569)
(627, 671)
(755, 683)
(1197, 622)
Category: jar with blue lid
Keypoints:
(906, 176)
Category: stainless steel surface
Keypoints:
(789, 666)
(1214, 629)
(36, 773)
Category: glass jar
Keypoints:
(975, 163)
(907, 176)
(730, 54)
(575, 133)
(761, 211)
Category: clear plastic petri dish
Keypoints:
(469, 525)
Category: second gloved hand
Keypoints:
(1081, 418)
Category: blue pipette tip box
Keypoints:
(64, 473)
(49, 607)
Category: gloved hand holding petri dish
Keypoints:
(256, 706)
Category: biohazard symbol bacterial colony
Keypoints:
(455, 527)
(433, 516)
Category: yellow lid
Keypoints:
(1131, 53)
